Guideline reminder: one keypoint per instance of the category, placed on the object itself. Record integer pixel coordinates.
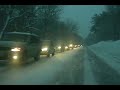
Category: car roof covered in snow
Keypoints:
(22, 33)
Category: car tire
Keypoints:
(53, 53)
(37, 57)
(48, 55)
(24, 59)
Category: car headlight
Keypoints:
(59, 47)
(70, 45)
(66, 47)
(44, 49)
(15, 49)
(15, 57)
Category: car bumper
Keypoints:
(8, 56)
(44, 53)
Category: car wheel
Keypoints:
(48, 55)
(37, 57)
(53, 53)
(24, 59)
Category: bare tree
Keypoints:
(11, 12)
(47, 18)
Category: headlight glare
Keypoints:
(15, 57)
(15, 49)
(59, 47)
(70, 45)
(44, 49)
(66, 47)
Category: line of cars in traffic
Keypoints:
(17, 47)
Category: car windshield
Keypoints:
(14, 37)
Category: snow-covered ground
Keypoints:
(70, 67)
(89, 78)
(109, 52)
(63, 68)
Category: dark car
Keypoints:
(47, 48)
(19, 46)
(60, 48)
(71, 46)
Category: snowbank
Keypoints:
(109, 52)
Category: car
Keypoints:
(71, 46)
(47, 48)
(66, 48)
(60, 48)
(76, 46)
(19, 46)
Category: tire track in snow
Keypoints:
(89, 78)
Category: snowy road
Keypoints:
(64, 68)
(75, 67)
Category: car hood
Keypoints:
(11, 44)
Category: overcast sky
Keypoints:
(81, 14)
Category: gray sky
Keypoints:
(81, 14)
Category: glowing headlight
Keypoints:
(70, 45)
(66, 47)
(44, 49)
(59, 47)
(15, 57)
(15, 49)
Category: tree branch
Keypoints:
(11, 19)
(6, 23)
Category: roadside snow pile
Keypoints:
(109, 51)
